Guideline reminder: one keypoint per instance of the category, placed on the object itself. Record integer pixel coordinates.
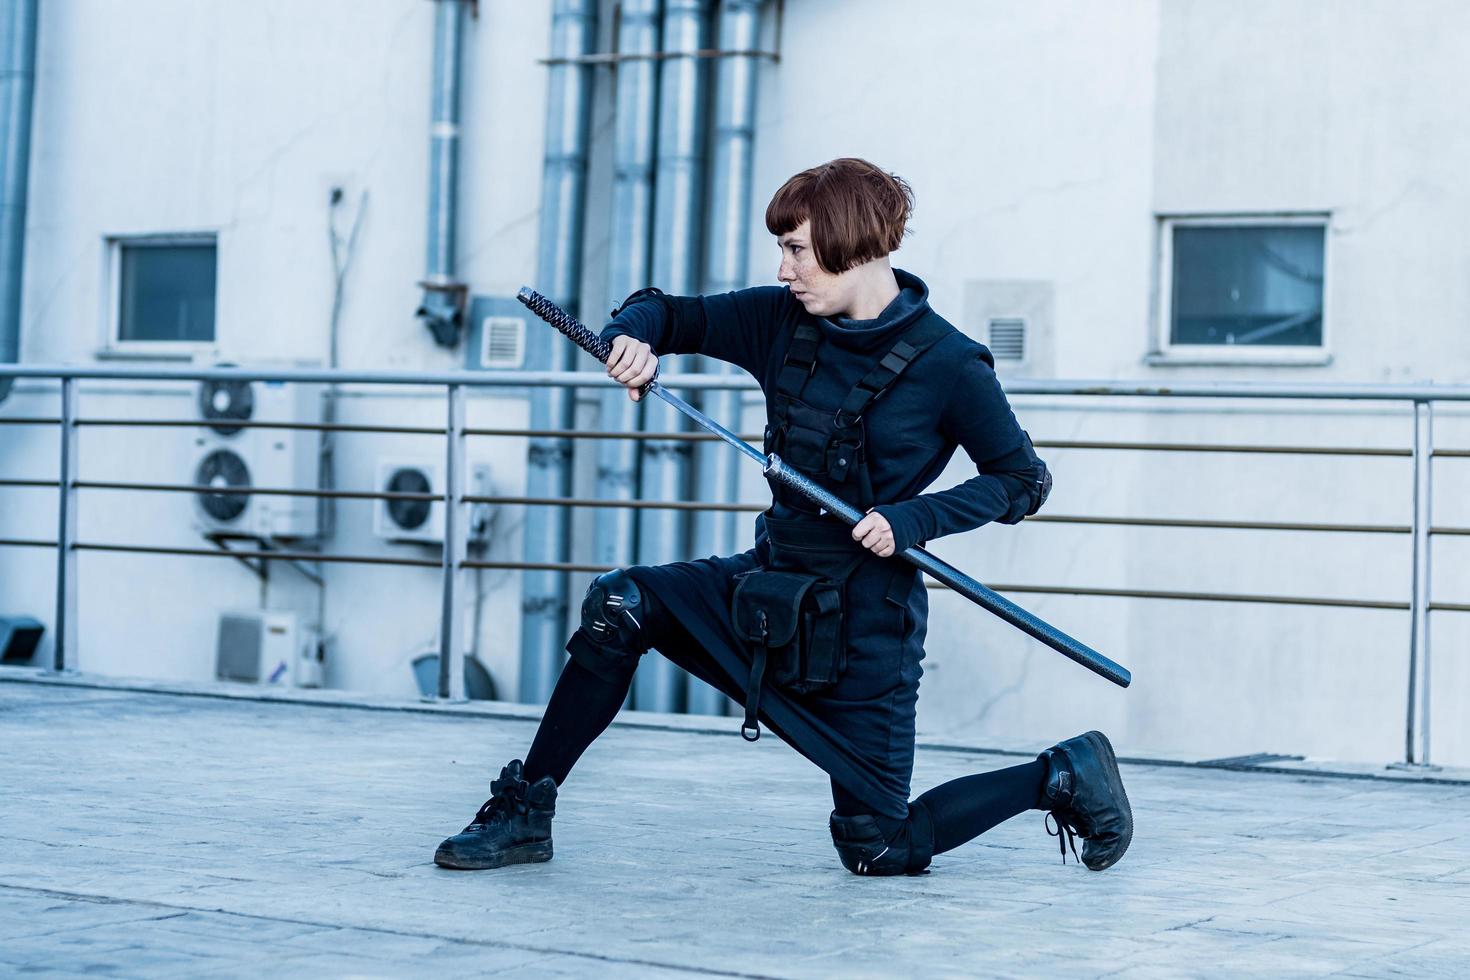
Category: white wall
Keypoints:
(238, 119)
(1042, 141)
(1356, 109)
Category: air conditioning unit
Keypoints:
(422, 521)
(230, 456)
(257, 647)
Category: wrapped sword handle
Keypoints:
(574, 329)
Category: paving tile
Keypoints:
(157, 835)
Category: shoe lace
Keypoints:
(1066, 833)
(508, 794)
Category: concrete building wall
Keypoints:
(238, 120)
(1044, 143)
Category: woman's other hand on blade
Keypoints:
(631, 363)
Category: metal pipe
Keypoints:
(1185, 447)
(731, 156)
(659, 685)
(451, 622)
(417, 430)
(64, 655)
(1418, 708)
(628, 248)
(312, 556)
(264, 491)
(574, 379)
(699, 506)
(1276, 600)
(442, 308)
(615, 58)
(471, 563)
(17, 90)
(544, 594)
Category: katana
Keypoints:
(775, 469)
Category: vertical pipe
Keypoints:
(558, 272)
(717, 476)
(451, 622)
(64, 656)
(443, 295)
(628, 245)
(17, 88)
(677, 208)
(1419, 691)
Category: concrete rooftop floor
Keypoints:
(146, 834)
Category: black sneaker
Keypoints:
(513, 827)
(864, 851)
(1084, 794)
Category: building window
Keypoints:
(1244, 289)
(164, 293)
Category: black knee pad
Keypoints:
(865, 851)
(611, 638)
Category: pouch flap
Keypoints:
(777, 596)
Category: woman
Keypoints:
(820, 628)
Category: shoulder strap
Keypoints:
(920, 337)
(800, 361)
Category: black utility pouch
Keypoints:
(793, 623)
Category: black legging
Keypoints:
(584, 704)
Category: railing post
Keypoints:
(451, 625)
(1416, 750)
(64, 656)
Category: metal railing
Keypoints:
(455, 559)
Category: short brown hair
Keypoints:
(858, 211)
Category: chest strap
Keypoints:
(800, 364)
(919, 338)
(801, 360)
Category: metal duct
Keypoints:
(558, 274)
(629, 240)
(677, 224)
(442, 309)
(17, 88)
(716, 533)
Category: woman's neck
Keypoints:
(876, 288)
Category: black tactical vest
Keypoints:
(831, 448)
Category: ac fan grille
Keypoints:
(409, 515)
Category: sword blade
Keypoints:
(654, 388)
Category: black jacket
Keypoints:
(948, 398)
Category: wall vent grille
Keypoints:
(1008, 338)
(503, 342)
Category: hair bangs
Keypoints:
(858, 212)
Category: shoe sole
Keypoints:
(1115, 784)
(534, 853)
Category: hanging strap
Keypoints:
(750, 728)
(919, 338)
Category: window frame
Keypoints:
(112, 343)
(1163, 351)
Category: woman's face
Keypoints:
(823, 293)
